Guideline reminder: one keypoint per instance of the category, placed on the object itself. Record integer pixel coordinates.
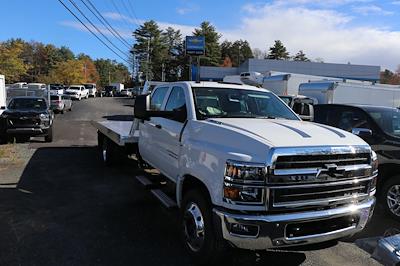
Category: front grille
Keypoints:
(319, 180)
(312, 161)
(293, 196)
(29, 122)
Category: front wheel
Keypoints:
(199, 234)
(49, 136)
(391, 197)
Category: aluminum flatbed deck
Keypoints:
(118, 131)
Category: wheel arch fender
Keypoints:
(188, 182)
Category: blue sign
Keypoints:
(195, 45)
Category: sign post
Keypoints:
(195, 46)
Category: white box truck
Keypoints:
(329, 92)
(288, 83)
(3, 96)
(118, 87)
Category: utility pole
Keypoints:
(109, 77)
(148, 58)
(239, 57)
(163, 72)
(84, 68)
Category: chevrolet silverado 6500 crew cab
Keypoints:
(246, 172)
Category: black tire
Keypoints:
(62, 111)
(392, 185)
(49, 136)
(213, 247)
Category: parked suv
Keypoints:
(91, 87)
(26, 117)
(77, 92)
(380, 127)
(60, 103)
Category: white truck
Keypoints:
(243, 169)
(3, 95)
(77, 92)
(118, 87)
(341, 92)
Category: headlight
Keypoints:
(243, 172)
(44, 117)
(244, 183)
(374, 162)
(374, 165)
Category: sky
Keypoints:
(338, 31)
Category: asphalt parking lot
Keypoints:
(60, 206)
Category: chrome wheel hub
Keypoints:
(193, 224)
(393, 199)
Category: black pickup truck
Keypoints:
(379, 127)
(26, 117)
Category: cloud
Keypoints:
(186, 10)
(321, 33)
(371, 10)
(126, 34)
(395, 3)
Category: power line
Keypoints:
(107, 25)
(97, 29)
(131, 12)
(95, 35)
(121, 16)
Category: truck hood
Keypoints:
(288, 133)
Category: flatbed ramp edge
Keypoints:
(118, 131)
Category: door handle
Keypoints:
(158, 126)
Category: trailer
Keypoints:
(343, 92)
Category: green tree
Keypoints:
(238, 51)
(278, 51)
(150, 41)
(301, 56)
(175, 61)
(213, 51)
(111, 71)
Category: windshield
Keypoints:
(74, 88)
(27, 104)
(55, 88)
(239, 103)
(89, 86)
(388, 120)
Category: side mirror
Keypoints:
(363, 133)
(307, 112)
(142, 106)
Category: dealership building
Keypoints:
(344, 71)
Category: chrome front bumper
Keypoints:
(272, 229)
(27, 131)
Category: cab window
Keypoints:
(157, 98)
(349, 119)
(177, 100)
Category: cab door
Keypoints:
(170, 130)
(150, 138)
